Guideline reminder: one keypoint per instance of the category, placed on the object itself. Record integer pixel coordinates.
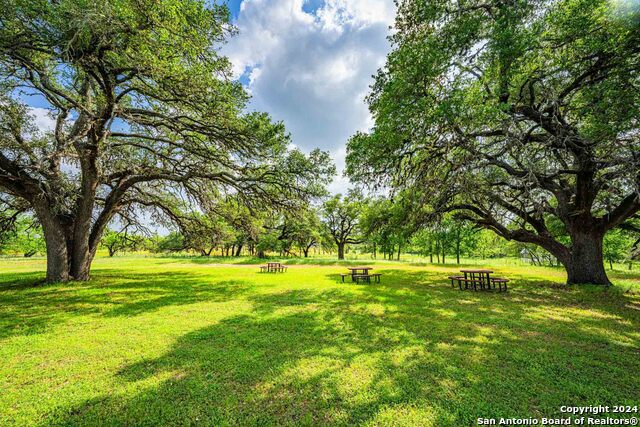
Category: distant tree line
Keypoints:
(374, 227)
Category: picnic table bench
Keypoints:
(478, 278)
(361, 274)
(273, 267)
(367, 277)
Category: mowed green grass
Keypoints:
(151, 341)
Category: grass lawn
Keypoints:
(153, 341)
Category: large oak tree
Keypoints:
(146, 114)
(514, 114)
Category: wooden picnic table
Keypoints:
(482, 275)
(363, 269)
(273, 267)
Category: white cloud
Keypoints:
(341, 183)
(42, 119)
(338, 13)
(313, 70)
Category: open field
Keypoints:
(152, 341)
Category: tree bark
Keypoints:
(340, 250)
(82, 252)
(57, 256)
(585, 264)
(81, 259)
(56, 243)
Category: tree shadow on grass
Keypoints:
(252, 370)
(409, 352)
(25, 309)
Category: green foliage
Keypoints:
(26, 238)
(304, 230)
(341, 219)
(172, 242)
(121, 241)
(489, 245)
(268, 242)
(385, 224)
(205, 232)
(617, 247)
(448, 237)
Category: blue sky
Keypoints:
(309, 6)
(234, 6)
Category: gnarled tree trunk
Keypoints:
(65, 260)
(583, 260)
(70, 247)
(585, 265)
(56, 243)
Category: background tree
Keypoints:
(245, 220)
(490, 245)
(9, 215)
(120, 241)
(269, 240)
(289, 231)
(453, 236)
(617, 247)
(511, 114)
(204, 233)
(371, 222)
(340, 217)
(24, 238)
(448, 236)
(535, 255)
(465, 238)
(246, 223)
(631, 229)
(385, 225)
(423, 241)
(145, 111)
(307, 230)
(172, 242)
